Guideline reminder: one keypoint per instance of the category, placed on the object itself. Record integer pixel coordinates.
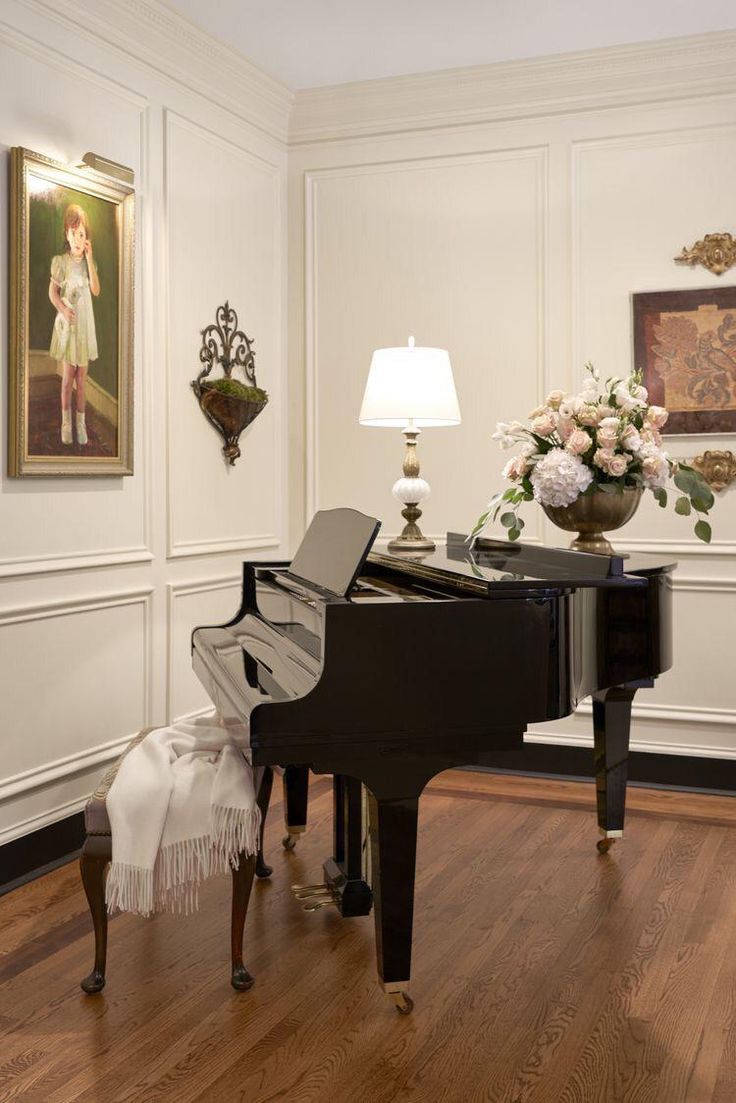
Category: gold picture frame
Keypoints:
(70, 402)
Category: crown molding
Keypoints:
(618, 76)
(154, 34)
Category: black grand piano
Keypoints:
(384, 670)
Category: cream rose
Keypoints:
(612, 463)
(545, 424)
(578, 442)
(590, 414)
(607, 433)
(516, 468)
(554, 398)
(565, 426)
(657, 416)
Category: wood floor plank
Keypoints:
(543, 972)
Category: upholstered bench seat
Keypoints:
(96, 819)
(97, 855)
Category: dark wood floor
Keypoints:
(542, 971)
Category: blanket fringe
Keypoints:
(129, 889)
(173, 884)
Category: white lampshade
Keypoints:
(410, 383)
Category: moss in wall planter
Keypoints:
(229, 405)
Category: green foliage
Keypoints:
(235, 388)
(660, 495)
(703, 531)
(682, 506)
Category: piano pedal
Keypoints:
(305, 892)
(321, 902)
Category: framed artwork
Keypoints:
(685, 346)
(71, 320)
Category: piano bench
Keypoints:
(97, 854)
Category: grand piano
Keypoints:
(384, 670)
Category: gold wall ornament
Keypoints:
(716, 252)
(717, 468)
(229, 405)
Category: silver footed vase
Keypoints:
(592, 515)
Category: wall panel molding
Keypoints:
(175, 592)
(149, 32)
(183, 548)
(312, 179)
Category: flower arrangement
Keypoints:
(606, 438)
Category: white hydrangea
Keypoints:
(559, 478)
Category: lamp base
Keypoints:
(418, 545)
(412, 539)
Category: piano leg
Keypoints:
(264, 798)
(296, 797)
(240, 978)
(393, 825)
(611, 727)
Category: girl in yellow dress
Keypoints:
(74, 281)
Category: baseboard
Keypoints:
(674, 771)
(37, 853)
(24, 859)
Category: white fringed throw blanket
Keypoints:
(182, 808)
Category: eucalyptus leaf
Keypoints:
(703, 531)
(682, 506)
(508, 520)
(703, 494)
(514, 534)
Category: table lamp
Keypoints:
(410, 388)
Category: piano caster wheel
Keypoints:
(289, 842)
(262, 870)
(604, 845)
(95, 982)
(403, 1002)
(241, 979)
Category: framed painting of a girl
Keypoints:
(71, 322)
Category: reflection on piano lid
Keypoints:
(487, 566)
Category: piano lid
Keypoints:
(489, 566)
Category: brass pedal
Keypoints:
(303, 891)
(316, 905)
(311, 895)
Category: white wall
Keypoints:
(507, 214)
(102, 580)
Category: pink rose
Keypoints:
(578, 442)
(565, 427)
(657, 416)
(516, 468)
(545, 424)
(612, 463)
